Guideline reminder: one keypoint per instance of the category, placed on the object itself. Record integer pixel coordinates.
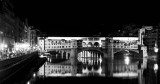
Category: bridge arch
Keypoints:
(84, 44)
(119, 50)
(90, 44)
(102, 51)
(96, 44)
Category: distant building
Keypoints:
(11, 30)
(124, 42)
(150, 37)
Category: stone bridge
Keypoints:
(116, 50)
(99, 49)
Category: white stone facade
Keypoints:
(49, 44)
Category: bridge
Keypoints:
(99, 49)
(116, 50)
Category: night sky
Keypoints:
(82, 18)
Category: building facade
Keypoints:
(93, 41)
(46, 44)
(124, 42)
(13, 31)
(150, 37)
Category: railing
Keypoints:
(9, 67)
(14, 55)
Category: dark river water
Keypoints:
(74, 63)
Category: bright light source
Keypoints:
(28, 82)
(5, 46)
(155, 67)
(155, 49)
(34, 75)
(127, 60)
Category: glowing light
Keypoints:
(155, 66)
(5, 45)
(155, 49)
(127, 60)
(70, 38)
(125, 38)
(66, 38)
(28, 82)
(34, 75)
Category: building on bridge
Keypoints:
(118, 44)
(93, 42)
(51, 43)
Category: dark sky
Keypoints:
(78, 18)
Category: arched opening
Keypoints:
(64, 55)
(89, 67)
(84, 44)
(96, 67)
(68, 55)
(96, 44)
(90, 44)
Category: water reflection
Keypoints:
(74, 63)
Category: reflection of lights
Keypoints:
(34, 75)
(155, 49)
(100, 59)
(28, 82)
(155, 67)
(85, 70)
(100, 70)
(127, 60)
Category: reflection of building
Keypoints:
(119, 68)
(89, 57)
(49, 69)
(92, 67)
